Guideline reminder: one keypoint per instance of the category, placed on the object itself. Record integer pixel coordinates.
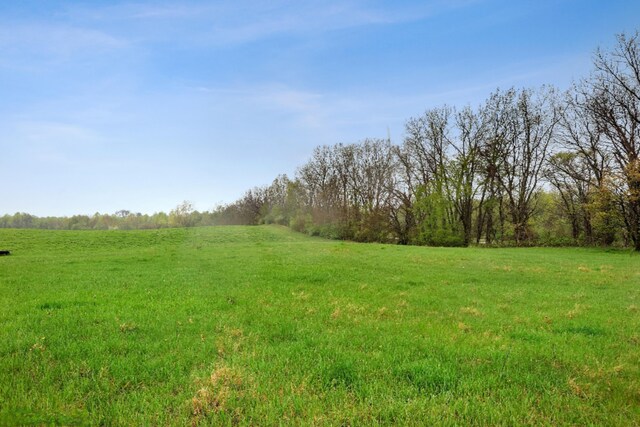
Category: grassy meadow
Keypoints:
(263, 326)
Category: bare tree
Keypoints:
(532, 124)
(402, 197)
(319, 180)
(579, 132)
(471, 130)
(497, 117)
(614, 102)
(571, 176)
(427, 158)
(578, 171)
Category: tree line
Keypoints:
(526, 167)
(183, 215)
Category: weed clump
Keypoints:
(222, 393)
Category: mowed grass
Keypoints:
(263, 326)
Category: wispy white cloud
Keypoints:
(250, 20)
(53, 143)
(310, 117)
(45, 132)
(307, 108)
(56, 39)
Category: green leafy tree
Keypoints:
(181, 215)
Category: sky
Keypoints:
(110, 105)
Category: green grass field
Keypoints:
(263, 326)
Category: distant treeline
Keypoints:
(182, 216)
(527, 167)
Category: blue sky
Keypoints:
(110, 105)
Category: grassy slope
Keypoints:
(260, 325)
